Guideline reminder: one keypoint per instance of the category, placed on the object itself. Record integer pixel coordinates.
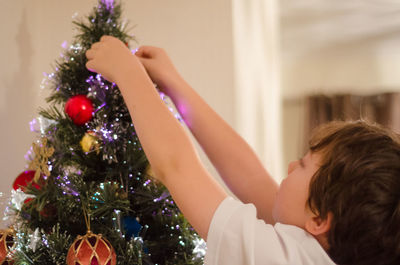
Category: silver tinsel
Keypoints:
(34, 239)
(18, 198)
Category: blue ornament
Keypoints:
(131, 227)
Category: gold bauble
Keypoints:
(90, 142)
(91, 249)
(6, 244)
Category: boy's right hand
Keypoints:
(158, 66)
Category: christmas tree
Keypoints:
(88, 196)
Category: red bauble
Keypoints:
(24, 179)
(91, 249)
(80, 109)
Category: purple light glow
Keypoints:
(107, 134)
(163, 196)
(32, 125)
(183, 110)
(99, 107)
(28, 154)
(90, 79)
(65, 185)
(109, 4)
(147, 183)
(162, 95)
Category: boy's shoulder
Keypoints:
(236, 237)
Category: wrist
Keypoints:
(128, 65)
(174, 86)
(129, 71)
(133, 76)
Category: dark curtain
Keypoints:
(380, 108)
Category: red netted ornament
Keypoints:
(6, 244)
(91, 249)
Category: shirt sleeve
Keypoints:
(236, 237)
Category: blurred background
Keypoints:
(273, 69)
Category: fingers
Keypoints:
(147, 51)
(95, 46)
(92, 51)
(90, 66)
(90, 54)
(139, 51)
(105, 38)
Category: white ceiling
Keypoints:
(310, 24)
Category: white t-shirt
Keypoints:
(237, 237)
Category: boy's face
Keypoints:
(291, 200)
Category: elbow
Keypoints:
(173, 161)
(165, 170)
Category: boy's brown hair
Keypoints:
(359, 183)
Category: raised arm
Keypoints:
(233, 158)
(167, 146)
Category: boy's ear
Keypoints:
(317, 226)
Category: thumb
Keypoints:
(146, 52)
(90, 66)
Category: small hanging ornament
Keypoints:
(91, 249)
(90, 142)
(40, 162)
(6, 245)
(131, 226)
(80, 109)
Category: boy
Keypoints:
(339, 204)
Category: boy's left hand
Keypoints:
(111, 58)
